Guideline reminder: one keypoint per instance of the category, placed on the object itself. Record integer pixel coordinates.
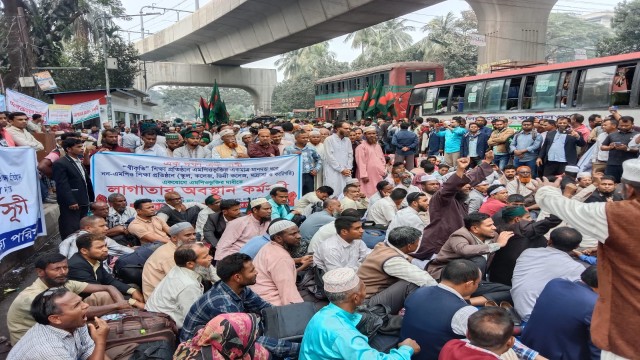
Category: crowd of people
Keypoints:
(463, 240)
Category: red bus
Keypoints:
(337, 97)
(547, 91)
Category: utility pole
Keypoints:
(106, 72)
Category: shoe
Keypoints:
(490, 303)
(517, 320)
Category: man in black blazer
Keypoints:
(86, 266)
(559, 148)
(217, 222)
(73, 187)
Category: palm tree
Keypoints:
(393, 35)
(361, 38)
(310, 59)
(439, 30)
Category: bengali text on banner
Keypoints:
(18, 102)
(21, 211)
(141, 176)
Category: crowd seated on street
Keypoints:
(469, 241)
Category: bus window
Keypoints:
(409, 78)
(428, 107)
(510, 94)
(528, 92)
(544, 91)
(621, 87)
(443, 97)
(457, 97)
(472, 95)
(492, 94)
(563, 91)
(596, 87)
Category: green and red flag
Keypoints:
(385, 102)
(373, 102)
(364, 102)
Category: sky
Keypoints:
(343, 51)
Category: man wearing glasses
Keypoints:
(175, 211)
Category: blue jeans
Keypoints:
(530, 163)
(501, 160)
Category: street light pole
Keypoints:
(106, 72)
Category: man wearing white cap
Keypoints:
(161, 261)
(332, 334)
(429, 184)
(239, 231)
(230, 149)
(276, 281)
(616, 318)
(371, 164)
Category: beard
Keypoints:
(264, 220)
(372, 141)
(461, 196)
(204, 272)
(232, 145)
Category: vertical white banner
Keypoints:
(21, 211)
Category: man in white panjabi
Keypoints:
(338, 157)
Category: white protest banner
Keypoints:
(142, 176)
(21, 212)
(85, 111)
(58, 114)
(3, 103)
(26, 104)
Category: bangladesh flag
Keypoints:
(373, 102)
(204, 112)
(385, 102)
(364, 102)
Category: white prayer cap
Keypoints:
(226, 132)
(369, 128)
(352, 181)
(328, 126)
(427, 177)
(425, 124)
(243, 134)
(257, 202)
(279, 226)
(314, 132)
(340, 280)
(236, 126)
(631, 170)
(572, 169)
(497, 190)
(179, 227)
(583, 174)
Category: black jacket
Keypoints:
(481, 148)
(526, 235)
(213, 228)
(570, 147)
(71, 187)
(81, 270)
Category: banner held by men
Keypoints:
(141, 176)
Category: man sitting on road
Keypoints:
(92, 225)
(120, 214)
(61, 331)
(232, 294)
(87, 266)
(52, 270)
(216, 223)
(276, 280)
(280, 204)
(239, 231)
(175, 211)
(161, 261)
(146, 226)
(182, 286)
(345, 249)
(497, 200)
(385, 209)
(388, 273)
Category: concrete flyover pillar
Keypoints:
(260, 83)
(515, 30)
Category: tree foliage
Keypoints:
(182, 102)
(566, 32)
(626, 30)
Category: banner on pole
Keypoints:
(58, 114)
(45, 81)
(21, 211)
(85, 111)
(24, 103)
(142, 176)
